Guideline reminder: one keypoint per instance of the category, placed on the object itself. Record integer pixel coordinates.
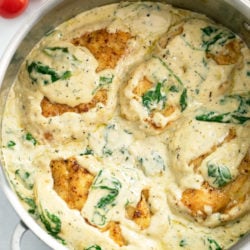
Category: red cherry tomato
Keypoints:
(12, 8)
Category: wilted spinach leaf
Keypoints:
(29, 137)
(40, 68)
(52, 224)
(94, 247)
(213, 35)
(31, 204)
(240, 115)
(112, 185)
(213, 245)
(228, 117)
(11, 144)
(221, 174)
(88, 151)
(183, 100)
(183, 243)
(152, 97)
(48, 50)
(104, 81)
(24, 176)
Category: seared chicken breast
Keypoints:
(71, 181)
(107, 47)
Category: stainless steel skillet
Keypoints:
(234, 14)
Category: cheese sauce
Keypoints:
(139, 112)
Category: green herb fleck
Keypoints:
(128, 132)
(183, 243)
(106, 151)
(221, 174)
(159, 160)
(24, 176)
(125, 152)
(213, 245)
(204, 62)
(94, 247)
(88, 151)
(30, 138)
(62, 49)
(50, 32)
(65, 75)
(140, 160)
(31, 204)
(104, 81)
(200, 75)
(174, 88)
(248, 73)
(11, 144)
(183, 100)
(169, 70)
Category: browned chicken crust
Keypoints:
(143, 86)
(219, 199)
(197, 161)
(164, 41)
(230, 54)
(141, 214)
(50, 109)
(71, 181)
(106, 47)
(115, 233)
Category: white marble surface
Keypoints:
(8, 217)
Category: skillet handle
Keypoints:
(20, 230)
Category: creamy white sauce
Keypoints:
(128, 155)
